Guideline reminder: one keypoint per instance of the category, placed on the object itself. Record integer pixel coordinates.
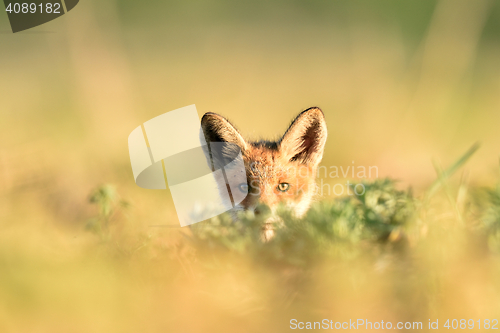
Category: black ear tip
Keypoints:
(210, 116)
(314, 109)
(314, 112)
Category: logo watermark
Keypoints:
(171, 150)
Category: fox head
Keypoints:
(276, 172)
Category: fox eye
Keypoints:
(243, 187)
(283, 187)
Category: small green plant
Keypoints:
(488, 203)
(108, 203)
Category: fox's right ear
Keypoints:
(218, 129)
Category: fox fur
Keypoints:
(276, 172)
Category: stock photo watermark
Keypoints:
(28, 14)
(365, 324)
(326, 178)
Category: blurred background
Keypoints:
(400, 82)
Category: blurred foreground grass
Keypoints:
(383, 255)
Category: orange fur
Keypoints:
(292, 160)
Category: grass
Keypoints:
(430, 257)
(383, 255)
(386, 254)
(382, 217)
(378, 216)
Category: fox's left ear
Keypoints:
(305, 139)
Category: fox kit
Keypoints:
(276, 172)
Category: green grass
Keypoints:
(384, 255)
(382, 218)
(379, 216)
